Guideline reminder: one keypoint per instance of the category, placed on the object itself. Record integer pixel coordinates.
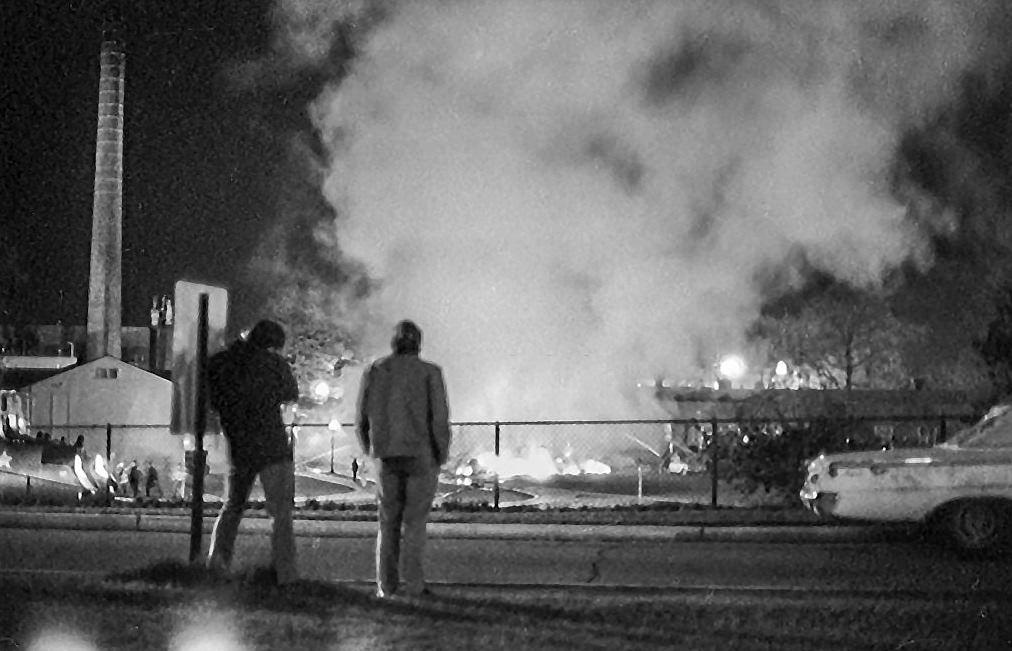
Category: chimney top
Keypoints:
(112, 21)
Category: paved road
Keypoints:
(916, 568)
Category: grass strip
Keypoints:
(173, 605)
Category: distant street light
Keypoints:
(732, 367)
(321, 390)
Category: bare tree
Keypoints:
(845, 339)
(319, 346)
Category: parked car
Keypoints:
(962, 487)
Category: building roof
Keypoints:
(109, 360)
(21, 378)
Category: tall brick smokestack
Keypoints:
(105, 281)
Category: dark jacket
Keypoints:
(402, 409)
(247, 387)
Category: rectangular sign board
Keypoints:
(184, 347)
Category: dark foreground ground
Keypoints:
(170, 606)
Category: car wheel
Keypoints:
(976, 525)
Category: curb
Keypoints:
(818, 533)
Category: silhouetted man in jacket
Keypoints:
(249, 382)
(403, 422)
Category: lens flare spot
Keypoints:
(60, 641)
(207, 636)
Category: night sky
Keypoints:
(204, 155)
(650, 175)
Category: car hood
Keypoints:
(938, 454)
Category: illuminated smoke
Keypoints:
(572, 196)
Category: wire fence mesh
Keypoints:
(506, 463)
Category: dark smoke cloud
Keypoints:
(570, 197)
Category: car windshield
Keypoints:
(994, 430)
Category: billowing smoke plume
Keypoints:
(570, 197)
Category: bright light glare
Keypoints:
(732, 367)
(593, 467)
(321, 390)
(536, 463)
(781, 368)
(208, 636)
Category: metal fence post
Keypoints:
(199, 455)
(107, 499)
(495, 488)
(714, 445)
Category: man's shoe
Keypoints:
(384, 594)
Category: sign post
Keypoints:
(199, 328)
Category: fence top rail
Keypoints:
(54, 426)
(649, 421)
(724, 420)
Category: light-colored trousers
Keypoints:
(404, 492)
(278, 480)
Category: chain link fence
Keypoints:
(542, 464)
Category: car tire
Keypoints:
(976, 526)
